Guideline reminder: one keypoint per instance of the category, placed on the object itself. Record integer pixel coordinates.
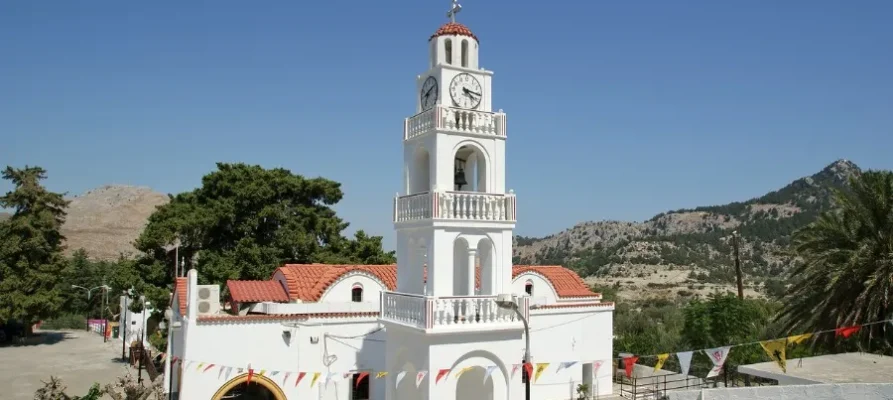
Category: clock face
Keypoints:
(429, 93)
(465, 91)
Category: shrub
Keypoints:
(66, 321)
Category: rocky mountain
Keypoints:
(692, 246)
(105, 221)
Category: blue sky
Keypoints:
(616, 109)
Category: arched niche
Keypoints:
(260, 388)
(470, 165)
(420, 174)
(473, 386)
(485, 259)
(461, 269)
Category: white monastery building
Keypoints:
(447, 322)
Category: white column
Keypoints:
(471, 269)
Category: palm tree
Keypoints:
(845, 274)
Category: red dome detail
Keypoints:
(453, 28)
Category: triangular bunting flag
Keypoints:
(360, 377)
(189, 364)
(661, 359)
(847, 331)
(718, 357)
(419, 377)
(489, 371)
(462, 371)
(628, 363)
(595, 366)
(441, 374)
(262, 372)
(330, 377)
(274, 373)
(199, 367)
(285, 378)
(775, 350)
(399, 378)
(381, 374)
(528, 368)
(515, 368)
(208, 368)
(220, 372)
(566, 364)
(684, 361)
(229, 371)
(239, 370)
(250, 374)
(315, 378)
(301, 376)
(797, 339)
(540, 367)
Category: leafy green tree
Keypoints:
(244, 222)
(846, 273)
(30, 248)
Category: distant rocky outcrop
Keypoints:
(105, 221)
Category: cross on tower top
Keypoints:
(454, 9)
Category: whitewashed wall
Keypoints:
(341, 290)
(542, 288)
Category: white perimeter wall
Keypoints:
(861, 391)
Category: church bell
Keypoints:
(459, 178)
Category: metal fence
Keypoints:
(655, 387)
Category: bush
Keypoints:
(66, 321)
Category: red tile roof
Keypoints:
(308, 282)
(279, 317)
(566, 282)
(453, 28)
(256, 291)
(181, 286)
(575, 305)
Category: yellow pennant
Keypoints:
(661, 358)
(463, 370)
(381, 374)
(199, 368)
(540, 367)
(315, 378)
(262, 372)
(775, 350)
(797, 339)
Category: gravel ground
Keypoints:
(79, 358)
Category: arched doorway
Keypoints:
(471, 385)
(260, 388)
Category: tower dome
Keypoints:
(453, 28)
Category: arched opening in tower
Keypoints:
(420, 175)
(470, 170)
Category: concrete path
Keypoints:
(79, 358)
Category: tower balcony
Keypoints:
(457, 120)
(456, 206)
(450, 313)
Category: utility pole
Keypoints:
(738, 266)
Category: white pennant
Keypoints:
(420, 377)
(515, 368)
(285, 378)
(566, 364)
(718, 357)
(330, 377)
(490, 370)
(684, 361)
(399, 378)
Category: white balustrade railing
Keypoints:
(451, 119)
(466, 206)
(426, 312)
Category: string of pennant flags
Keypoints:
(774, 348)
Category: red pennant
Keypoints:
(360, 378)
(300, 376)
(174, 359)
(628, 363)
(440, 374)
(529, 368)
(207, 368)
(250, 374)
(847, 331)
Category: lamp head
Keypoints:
(506, 301)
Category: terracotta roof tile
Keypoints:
(256, 291)
(575, 305)
(566, 282)
(279, 317)
(181, 286)
(453, 28)
(308, 282)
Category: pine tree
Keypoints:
(31, 260)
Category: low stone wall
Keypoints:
(862, 391)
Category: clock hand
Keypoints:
(470, 92)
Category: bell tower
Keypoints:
(454, 219)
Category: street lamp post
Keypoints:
(123, 330)
(89, 295)
(508, 302)
(139, 378)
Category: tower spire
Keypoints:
(454, 9)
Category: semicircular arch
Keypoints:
(267, 383)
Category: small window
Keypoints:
(464, 53)
(359, 391)
(448, 44)
(528, 287)
(356, 294)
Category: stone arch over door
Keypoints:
(271, 388)
(471, 384)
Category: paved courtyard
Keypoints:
(79, 358)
